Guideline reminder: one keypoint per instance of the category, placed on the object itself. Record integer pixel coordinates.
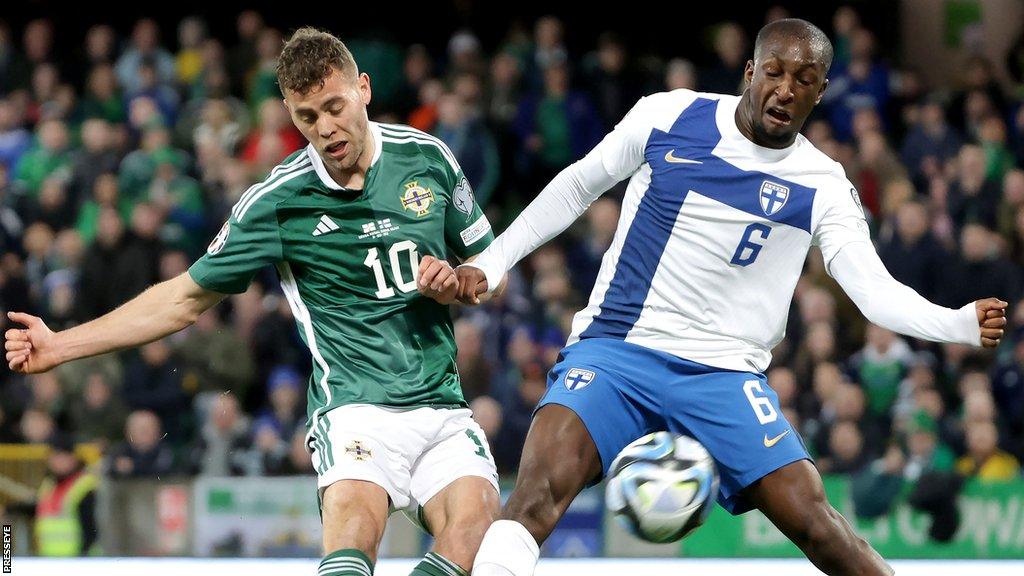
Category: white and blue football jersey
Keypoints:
(713, 234)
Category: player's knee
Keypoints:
(352, 523)
(461, 538)
(825, 529)
(352, 534)
(551, 474)
(539, 503)
(534, 508)
(471, 523)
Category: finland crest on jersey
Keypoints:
(773, 197)
(578, 378)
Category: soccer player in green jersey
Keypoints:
(358, 225)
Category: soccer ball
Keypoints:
(662, 486)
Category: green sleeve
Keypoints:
(466, 229)
(239, 250)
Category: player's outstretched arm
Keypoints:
(557, 206)
(162, 309)
(565, 198)
(897, 307)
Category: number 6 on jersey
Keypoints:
(748, 250)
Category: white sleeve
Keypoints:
(569, 194)
(842, 218)
(895, 306)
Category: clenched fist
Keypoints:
(991, 320)
(472, 283)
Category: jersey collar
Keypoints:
(321, 171)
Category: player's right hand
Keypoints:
(436, 280)
(472, 283)
(991, 320)
(30, 349)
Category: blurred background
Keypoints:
(126, 138)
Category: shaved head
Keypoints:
(795, 28)
(784, 82)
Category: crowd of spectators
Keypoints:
(120, 160)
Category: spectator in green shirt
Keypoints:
(49, 156)
(102, 98)
(925, 452)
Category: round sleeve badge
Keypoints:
(218, 242)
(856, 198)
(463, 197)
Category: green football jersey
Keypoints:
(348, 260)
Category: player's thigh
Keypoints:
(365, 443)
(458, 464)
(604, 383)
(559, 460)
(737, 417)
(354, 514)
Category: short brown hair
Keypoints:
(308, 57)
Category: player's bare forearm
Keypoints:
(162, 309)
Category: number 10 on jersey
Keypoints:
(395, 256)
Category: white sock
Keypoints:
(508, 549)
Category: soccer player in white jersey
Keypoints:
(725, 198)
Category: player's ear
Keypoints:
(365, 93)
(748, 73)
(821, 91)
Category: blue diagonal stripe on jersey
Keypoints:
(693, 136)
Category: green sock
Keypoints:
(346, 562)
(433, 564)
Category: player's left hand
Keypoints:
(991, 320)
(437, 280)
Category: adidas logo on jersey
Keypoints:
(325, 225)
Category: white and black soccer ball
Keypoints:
(662, 486)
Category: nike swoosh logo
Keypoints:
(769, 442)
(669, 157)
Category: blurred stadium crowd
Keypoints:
(121, 157)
